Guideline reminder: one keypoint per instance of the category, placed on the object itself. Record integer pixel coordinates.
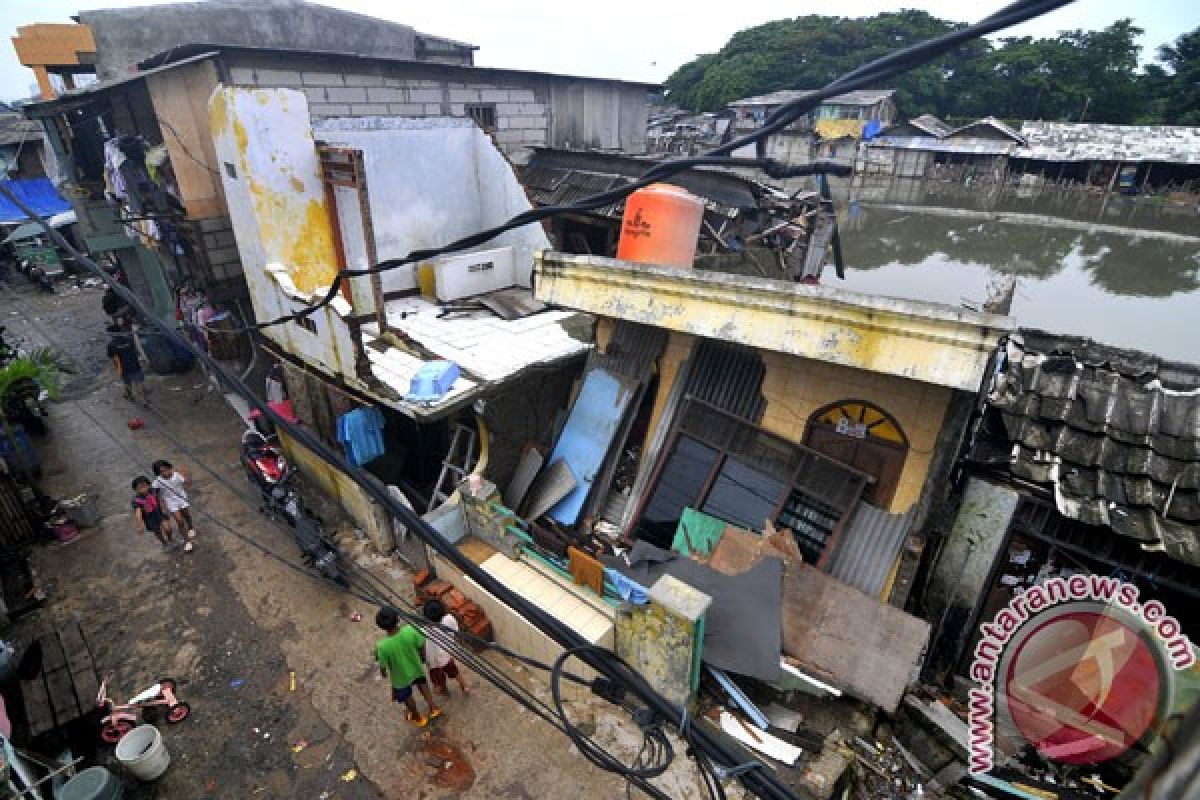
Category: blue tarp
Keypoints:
(36, 192)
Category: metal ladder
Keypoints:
(451, 466)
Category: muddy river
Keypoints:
(1124, 272)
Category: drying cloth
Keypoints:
(628, 589)
(361, 431)
(742, 630)
(586, 570)
(697, 533)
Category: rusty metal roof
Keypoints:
(868, 548)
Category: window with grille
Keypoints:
(733, 470)
(484, 115)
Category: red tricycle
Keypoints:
(121, 718)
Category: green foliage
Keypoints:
(1078, 75)
(44, 365)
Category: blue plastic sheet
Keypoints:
(39, 193)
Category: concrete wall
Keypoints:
(963, 566)
(124, 37)
(532, 109)
(281, 220)
(431, 182)
(796, 387)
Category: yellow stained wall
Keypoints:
(796, 387)
(348, 494)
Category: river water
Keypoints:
(1125, 272)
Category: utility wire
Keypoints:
(866, 76)
(717, 748)
(370, 589)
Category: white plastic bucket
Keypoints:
(143, 753)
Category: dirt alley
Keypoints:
(229, 622)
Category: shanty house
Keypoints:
(179, 231)
(1085, 459)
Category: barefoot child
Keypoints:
(148, 512)
(399, 657)
(171, 483)
(441, 664)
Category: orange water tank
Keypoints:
(661, 225)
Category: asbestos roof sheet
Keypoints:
(859, 97)
(1079, 141)
(486, 348)
(982, 147)
(1114, 433)
(990, 123)
(930, 124)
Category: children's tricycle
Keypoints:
(120, 719)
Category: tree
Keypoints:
(1179, 92)
(1076, 76)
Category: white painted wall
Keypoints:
(431, 181)
(273, 188)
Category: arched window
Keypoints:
(864, 436)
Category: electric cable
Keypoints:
(880, 69)
(375, 592)
(720, 750)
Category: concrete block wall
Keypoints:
(216, 237)
(796, 387)
(365, 89)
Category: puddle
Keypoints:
(453, 769)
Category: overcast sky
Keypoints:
(630, 39)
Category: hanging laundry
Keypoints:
(628, 589)
(361, 431)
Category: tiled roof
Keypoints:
(1114, 433)
(1079, 141)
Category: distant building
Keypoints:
(830, 132)
(924, 147)
(22, 146)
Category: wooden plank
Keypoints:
(53, 656)
(63, 702)
(849, 638)
(180, 99)
(37, 706)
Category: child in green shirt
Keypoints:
(400, 657)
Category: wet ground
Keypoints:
(233, 625)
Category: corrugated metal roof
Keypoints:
(859, 97)
(931, 125)
(729, 377)
(982, 147)
(868, 548)
(1079, 141)
(992, 123)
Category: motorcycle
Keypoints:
(269, 470)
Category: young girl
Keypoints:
(148, 513)
(171, 484)
(441, 663)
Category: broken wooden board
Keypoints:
(530, 464)
(512, 303)
(850, 639)
(550, 486)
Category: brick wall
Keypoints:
(796, 387)
(522, 112)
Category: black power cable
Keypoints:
(718, 749)
(865, 76)
(368, 588)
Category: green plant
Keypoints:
(44, 365)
